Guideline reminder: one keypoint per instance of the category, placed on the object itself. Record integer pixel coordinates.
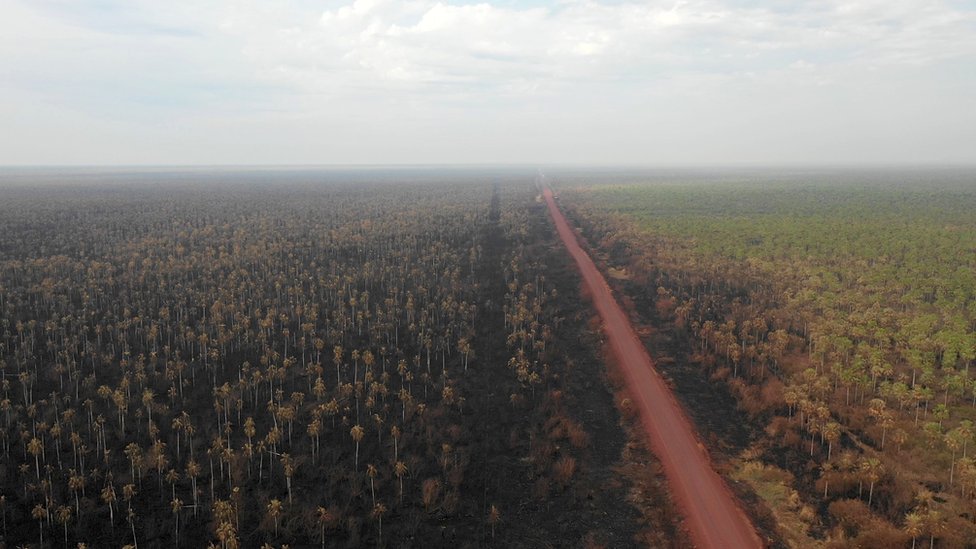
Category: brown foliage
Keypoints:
(563, 470)
(430, 491)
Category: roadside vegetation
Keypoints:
(838, 311)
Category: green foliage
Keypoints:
(873, 278)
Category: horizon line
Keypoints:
(482, 165)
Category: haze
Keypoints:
(338, 82)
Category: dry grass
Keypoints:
(774, 485)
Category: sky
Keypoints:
(132, 82)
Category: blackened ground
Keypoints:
(595, 507)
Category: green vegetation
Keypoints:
(841, 314)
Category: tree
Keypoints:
(934, 524)
(831, 433)
(128, 493)
(324, 517)
(914, 523)
(40, 515)
(172, 477)
(872, 469)
(289, 467)
(965, 432)
(76, 483)
(176, 505)
(134, 453)
(378, 511)
(63, 514)
(400, 469)
(371, 473)
(193, 471)
(395, 435)
(35, 448)
(886, 420)
(108, 496)
(132, 524)
(357, 435)
(953, 441)
(274, 511)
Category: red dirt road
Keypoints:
(712, 516)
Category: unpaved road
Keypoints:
(712, 516)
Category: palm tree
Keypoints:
(289, 467)
(35, 447)
(172, 477)
(324, 517)
(176, 505)
(872, 470)
(132, 524)
(128, 493)
(314, 430)
(76, 483)
(40, 514)
(223, 518)
(934, 525)
(371, 473)
(357, 435)
(134, 453)
(147, 401)
(953, 441)
(400, 469)
(274, 511)
(887, 420)
(913, 525)
(831, 432)
(395, 435)
(337, 357)
(826, 469)
(193, 471)
(157, 457)
(63, 514)
(965, 431)
(108, 496)
(378, 511)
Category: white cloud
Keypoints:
(438, 46)
(644, 75)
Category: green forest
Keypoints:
(838, 312)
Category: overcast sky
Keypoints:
(503, 81)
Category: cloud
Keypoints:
(433, 68)
(439, 47)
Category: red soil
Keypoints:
(712, 516)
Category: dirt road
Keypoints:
(712, 516)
